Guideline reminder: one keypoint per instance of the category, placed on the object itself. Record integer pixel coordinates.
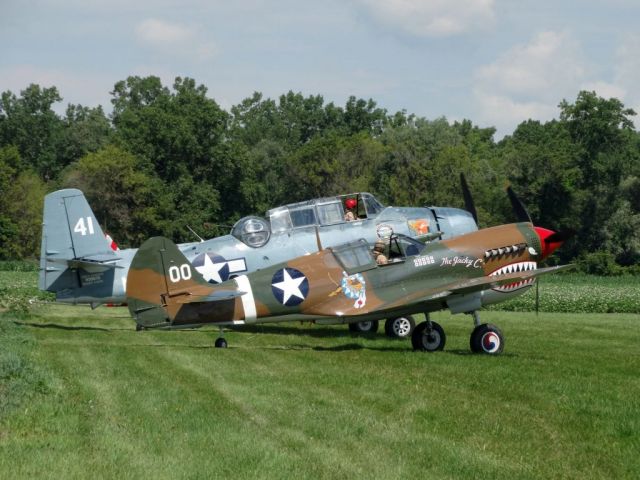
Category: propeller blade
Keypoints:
(561, 236)
(468, 199)
(518, 207)
(537, 296)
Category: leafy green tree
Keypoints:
(423, 164)
(22, 194)
(29, 123)
(603, 137)
(264, 174)
(129, 203)
(294, 120)
(175, 132)
(543, 167)
(333, 164)
(85, 130)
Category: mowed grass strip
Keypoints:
(316, 402)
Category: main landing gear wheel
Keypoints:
(487, 338)
(221, 343)
(364, 327)
(428, 337)
(401, 327)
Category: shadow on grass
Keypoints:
(469, 353)
(71, 327)
(286, 330)
(294, 347)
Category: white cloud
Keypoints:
(433, 18)
(550, 64)
(528, 81)
(605, 89)
(627, 71)
(175, 39)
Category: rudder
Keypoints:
(71, 237)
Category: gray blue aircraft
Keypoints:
(80, 265)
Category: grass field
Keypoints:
(291, 401)
(82, 394)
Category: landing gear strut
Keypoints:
(220, 341)
(486, 338)
(428, 336)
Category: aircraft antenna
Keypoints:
(197, 236)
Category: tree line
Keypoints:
(170, 157)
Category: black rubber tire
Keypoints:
(428, 341)
(139, 327)
(487, 339)
(221, 343)
(364, 327)
(400, 327)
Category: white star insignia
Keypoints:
(289, 286)
(211, 271)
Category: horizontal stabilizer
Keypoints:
(93, 261)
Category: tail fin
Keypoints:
(159, 273)
(164, 289)
(72, 239)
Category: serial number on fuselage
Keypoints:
(423, 260)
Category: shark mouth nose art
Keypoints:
(516, 267)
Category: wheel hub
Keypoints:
(401, 327)
(490, 342)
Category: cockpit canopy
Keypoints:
(323, 211)
(255, 231)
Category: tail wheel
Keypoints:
(428, 337)
(401, 327)
(488, 339)
(221, 343)
(364, 327)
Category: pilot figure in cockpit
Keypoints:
(378, 253)
(350, 204)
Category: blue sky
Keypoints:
(492, 61)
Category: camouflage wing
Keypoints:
(161, 279)
(469, 286)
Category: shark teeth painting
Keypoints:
(516, 267)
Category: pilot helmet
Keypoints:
(350, 203)
(379, 246)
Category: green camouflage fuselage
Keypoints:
(344, 283)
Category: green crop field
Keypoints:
(84, 395)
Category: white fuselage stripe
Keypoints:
(248, 302)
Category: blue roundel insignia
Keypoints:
(214, 268)
(289, 286)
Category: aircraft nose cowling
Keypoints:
(548, 241)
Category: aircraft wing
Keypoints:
(471, 285)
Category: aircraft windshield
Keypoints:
(355, 256)
(280, 219)
(402, 247)
(330, 213)
(371, 204)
